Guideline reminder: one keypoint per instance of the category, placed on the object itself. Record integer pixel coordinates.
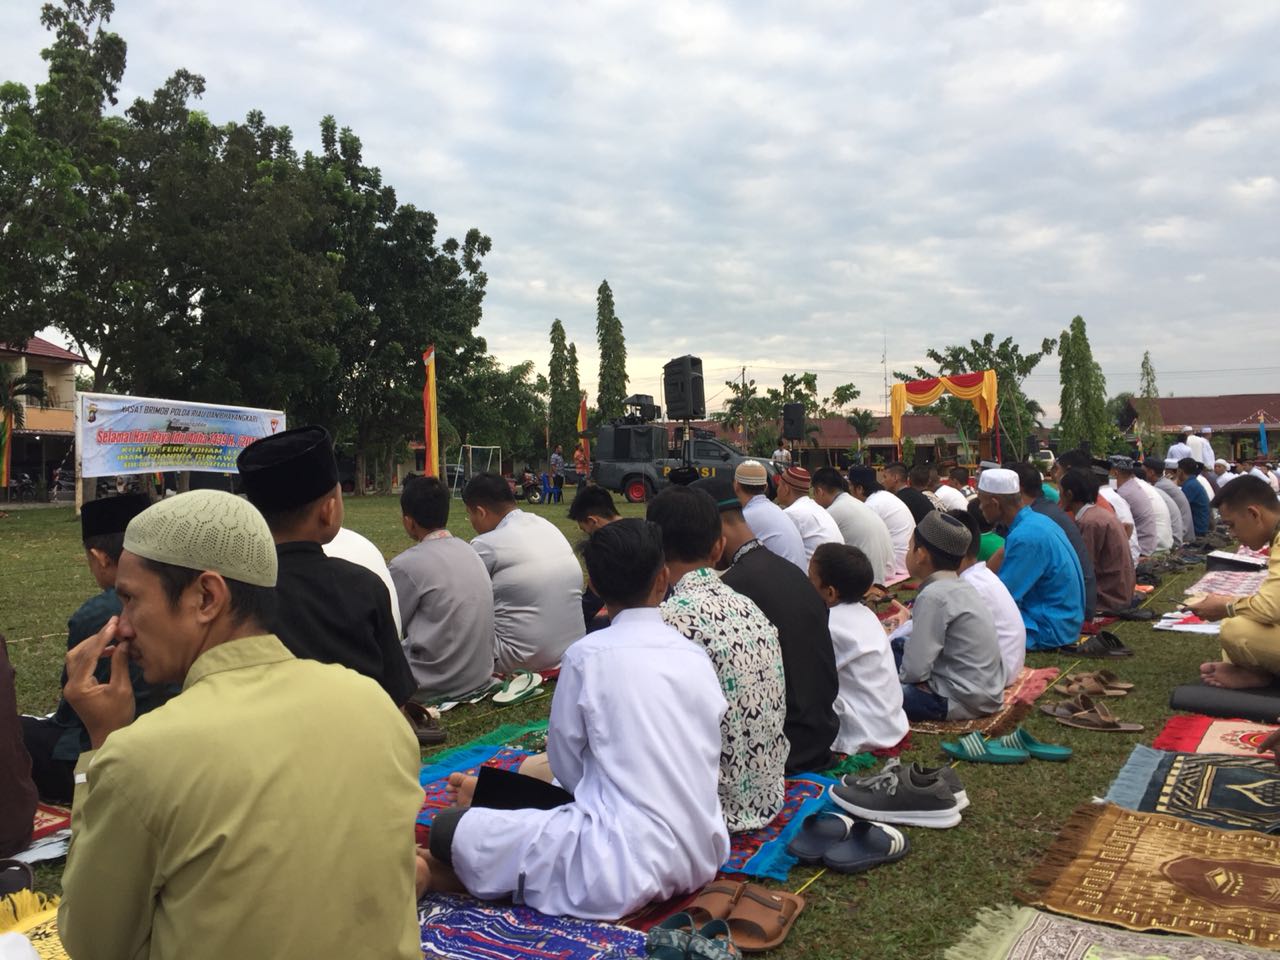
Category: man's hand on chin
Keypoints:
(102, 707)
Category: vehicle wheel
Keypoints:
(534, 496)
(636, 490)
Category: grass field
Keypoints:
(911, 910)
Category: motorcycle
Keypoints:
(531, 486)
(22, 488)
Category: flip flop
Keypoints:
(521, 686)
(1104, 677)
(819, 833)
(1101, 719)
(716, 901)
(1068, 708)
(714, 942)
(1039, 750)
(867, 845)
(762, 918)
(669, 940)
(1089, 685)
(973, 748)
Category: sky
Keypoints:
(802, 186)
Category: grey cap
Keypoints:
(206, 530)
(944, 533)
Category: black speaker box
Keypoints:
(682, 384)
(793, 421)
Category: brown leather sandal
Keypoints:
(763, 918)
(715, 902)
(1101, 720)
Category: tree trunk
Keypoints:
(358, 486)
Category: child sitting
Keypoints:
(869, 703)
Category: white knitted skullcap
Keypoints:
(999, 480)
(206, 530)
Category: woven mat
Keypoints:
(1230, 792)
(42, 930)
(1018, 697)
(1019, 933)
(1144, 871)
(1196, 733)
(50, 819)
(1232, 583)
(463, 928)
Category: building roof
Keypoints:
(836, 433)
(39, 347)
(1237, 411)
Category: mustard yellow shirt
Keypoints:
(1263, 606)
(265, 812)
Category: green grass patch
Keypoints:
(911, 910)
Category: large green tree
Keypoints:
(1082, 404)
(612, 387)
(1017, 414)
(575, 389)
(1147, 425)
(562, 401)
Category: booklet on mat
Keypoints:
(1186, 623)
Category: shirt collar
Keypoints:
(299, 546)
(236, 655)
(503, 522)
(637, 615)
(743, 550)
(938, 575)
(693, 579)
(441, 534)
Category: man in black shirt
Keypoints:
(787, 598)
(329, 610)
(896, 481)
(593, 508)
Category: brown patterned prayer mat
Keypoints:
(1018, 698)
(1020, 933)
(1145, 871)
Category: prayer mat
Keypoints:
(763, 853)
(1018, 697)
(50, 819)
(857, 762)
(1020, 933)
(1144, 871)
(1197, 733)
(1233, 793)
(468, 759)
(1096, 625)
(1232, 583)
(462, 928)
(648, 917)
(38, 923)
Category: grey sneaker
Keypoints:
(891, 798)
(921, 775)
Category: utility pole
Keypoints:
(746, 441)
(884, 360)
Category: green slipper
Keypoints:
(1021, 740)
(976, 750)
(521, 686)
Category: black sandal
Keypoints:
(1104, 645)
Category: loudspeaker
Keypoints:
(682, 384)
(793, 421)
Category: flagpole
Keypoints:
(430, 425)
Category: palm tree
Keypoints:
(16, 391)
(864, 423)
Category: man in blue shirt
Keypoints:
(1040, 569)
(1188, 472)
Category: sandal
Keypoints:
(713, 942)
(973, 748)
(1104, 644)
(1039, 750)
(716, 901)
(521, 686)
(1101, 719)
(1068, 708)
(1089, 685)
(1104, 677)
(425, 726)
(762, 918)
(669, 940)
(867, 845)
(819, 833)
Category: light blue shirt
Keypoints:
(1043, 575)
(774, 529)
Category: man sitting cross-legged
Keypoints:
(766, 519)
(591, 509)
(782, 593)
(1250, 625)
(537, 583)
(859, 525)
(264, 810)
(744, 649)
(446, 600)
(950, 667)
(1104, 536)
(1011, 632)
(815, 525)
(898, 520)
(870, 702)
(633, 743)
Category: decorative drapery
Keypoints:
(978, 387)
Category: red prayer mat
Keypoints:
(1196, 733)
(50, 819)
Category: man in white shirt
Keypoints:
(764, 517)
(814, 523)
(1011, 631)
(1182, 448)
(1207, 456)
(860, 526)
(950, 495)
(897, 517)
(537, 583)
(1159, 511)
(782, 454)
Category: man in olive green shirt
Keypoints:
(265, 811)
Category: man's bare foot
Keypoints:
(1229, 676)
(461, 789)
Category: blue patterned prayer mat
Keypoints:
(462, 928)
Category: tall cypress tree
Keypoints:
(1083, 404)
(560, 401)
(612, 388)
(574, 389)
(1145, 403)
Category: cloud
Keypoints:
(784, 188)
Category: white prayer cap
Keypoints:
(1218, 462)
(999, 480)
(1171, 464)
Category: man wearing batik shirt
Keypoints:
(743, 646)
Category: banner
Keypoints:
(124, 435)
(430, 427)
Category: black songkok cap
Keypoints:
(864, 477)
(288, 470)
(721, 490)
(110, 514)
